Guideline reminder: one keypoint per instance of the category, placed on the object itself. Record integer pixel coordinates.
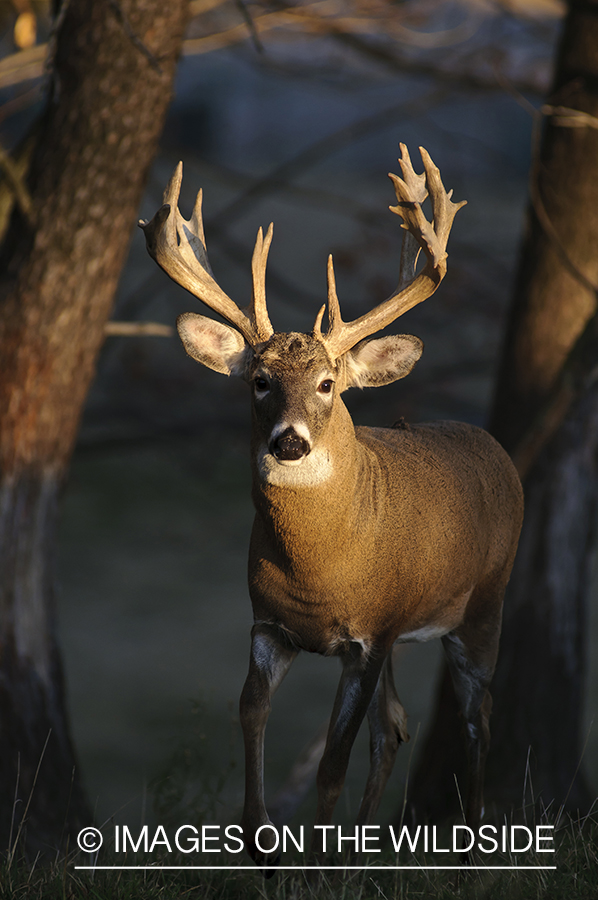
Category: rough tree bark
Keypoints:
(546, 415)
(111, 84)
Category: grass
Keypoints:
(189, 789)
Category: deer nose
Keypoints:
(289, 445)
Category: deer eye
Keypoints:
(325, 386)
(260, 384)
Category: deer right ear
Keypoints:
(213, 344)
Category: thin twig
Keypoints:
(315, 153)
(28, 64)
(49, 56)
(17, 185)
(564, 117)
(251, 25)
(198, 7)
(579, 371)
(541, 211)
(133, 36)
(20, 102)
(551, 232)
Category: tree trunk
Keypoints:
(113, 70)
(546, 415)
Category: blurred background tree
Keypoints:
(288, 111)
(111, 68)
(545, 413)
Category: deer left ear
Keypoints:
(373, 363)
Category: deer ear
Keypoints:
(373, 363)
(213, 344)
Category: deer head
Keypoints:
(296, 378)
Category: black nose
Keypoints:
(289, 445)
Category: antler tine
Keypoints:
(418, 190)
(415, 184)
(334, 310)
(179, 248)
(411, 191)
(444, 210)
(259, 309)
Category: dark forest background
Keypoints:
(136, 458)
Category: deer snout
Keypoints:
(289, 445)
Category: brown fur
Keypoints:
(386, 558)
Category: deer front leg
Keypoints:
(356, 688)
(270, 660)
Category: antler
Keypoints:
(179, 247)
(432, 238)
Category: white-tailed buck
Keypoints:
(362, 536)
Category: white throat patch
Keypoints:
(313, 469)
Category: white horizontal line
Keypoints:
(316, 868)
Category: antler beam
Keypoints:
(432, 238)
(179, 248)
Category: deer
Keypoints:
(363, 537)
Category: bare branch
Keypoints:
(23, 66)
(251, 25)
(138, 329)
